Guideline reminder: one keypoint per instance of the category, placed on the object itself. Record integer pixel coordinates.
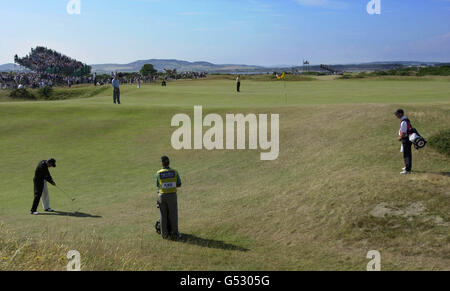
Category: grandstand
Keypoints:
(44, 60)
(330, 70)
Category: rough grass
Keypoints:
(312, 209)
(58, 93)
(441, 142)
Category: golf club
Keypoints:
(67, 195)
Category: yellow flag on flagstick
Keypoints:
(282, 76)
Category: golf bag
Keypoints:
(158, 227)
(417, 140)
(414, 136)
(158, 224)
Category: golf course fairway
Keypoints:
(333, 194)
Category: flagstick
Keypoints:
(285, 92)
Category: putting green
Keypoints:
(312, 208)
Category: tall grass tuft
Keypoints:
(441, 142)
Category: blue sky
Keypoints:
(261, 32)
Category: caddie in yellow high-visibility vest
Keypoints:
(167, 181)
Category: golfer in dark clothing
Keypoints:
(238, 83)
(404, 132)
(116, 93)
(41, 177)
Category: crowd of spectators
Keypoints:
(15, 80)
(32, 80)
(44, 60)
(47, 68)
(173, 74)
(193, 75)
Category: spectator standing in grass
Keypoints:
(116, 92)
(168, 181)
(404, 132)
(238, 83)
(138, 81)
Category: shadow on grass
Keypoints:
(71, 214)
(209, 243)
(446, 174)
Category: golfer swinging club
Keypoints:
(167, 181)
(41, 177)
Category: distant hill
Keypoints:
(365, 67)
(180, 66)
(185, 66)
(12, 68)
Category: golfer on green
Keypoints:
(167, 181)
